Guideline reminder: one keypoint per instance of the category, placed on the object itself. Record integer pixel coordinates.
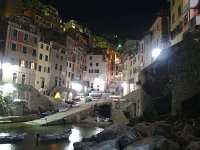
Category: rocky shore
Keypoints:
(181, 134)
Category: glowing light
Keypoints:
(58, 96)
(8, 67)
(156, 52)
(76, 86)
(8, 88)
(124, 85)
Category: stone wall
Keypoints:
(176, 72)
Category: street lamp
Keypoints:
(155, 53)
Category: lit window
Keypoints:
(23, 63)
(32, 65)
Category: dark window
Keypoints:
(47, 48)
(40, 56)
(61, 58)
(15, 33)
(14, 47)
(96, 71)
(24, 50)
(48, 69)
(25, 36)
(41, 46)
(26, 64)
(39, 68)
(69, 74)
(60, 68)
(97, 64)
(90, 57)
(70, 65)
(35, 40)
(56, 66)
(23, 79)
(46, 58)
(90, 64)
(34, 52)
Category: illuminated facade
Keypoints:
(43, 67)
(96, 70)
(20, 52)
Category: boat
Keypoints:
(7, 138)
(53, 136)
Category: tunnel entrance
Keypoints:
(103, 111)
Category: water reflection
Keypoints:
(7, 147)
(29, 143)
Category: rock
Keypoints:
(105, 136)
(166, 144)
(180, 138)
(106, 145)
(193, 146)
(155, 130)
(126, 139)
(152, 143)
(191, 130)
(83, 145)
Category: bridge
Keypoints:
(83, 111)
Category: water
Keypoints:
(78, 132)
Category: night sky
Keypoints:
(128, 19)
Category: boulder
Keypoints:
(105, 136)
(83, 145)
(106, 145)
(193, 146)
(152, 143)
(126, 139)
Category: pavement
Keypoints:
(61, 115)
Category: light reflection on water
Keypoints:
(78, 132)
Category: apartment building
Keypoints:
(43, 66)
(96, 75)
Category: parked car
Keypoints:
(95, 94)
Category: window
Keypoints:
(90, 71)
(90, 64)
(23, 79)
(179, 10)
(14, 78)
(45, 69)
(67, 64)
(96, 71)
(15, 33)
(47, 48)
(40, 56)
(60, 68)
(70, 65)
(25, 36)
(35, 40)
(22, 64)
(34, 53)
(46, 58)
(14, 47)
(24, 50)
(26, 64)
(33, 66)
(69, 74)
(39, 68)
(56, 66)
(97, 64)
(48, 69)
(61, 58)
(90, 57)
